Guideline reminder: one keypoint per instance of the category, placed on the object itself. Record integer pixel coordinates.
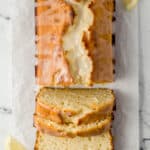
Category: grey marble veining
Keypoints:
(144, 73)
(5, 110)
(144, 130)
(5, 17)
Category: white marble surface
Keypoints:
(5, 61)
(145, 73)
(5, 74)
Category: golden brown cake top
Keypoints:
(52, 19)
(74, 42)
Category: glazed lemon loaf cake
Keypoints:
(99, 142)
(74, 47)
(74, 42)
(76, 106)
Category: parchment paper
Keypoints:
(126, 124)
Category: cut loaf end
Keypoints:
(98, 142)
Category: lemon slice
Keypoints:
(13, 144)
(130, 4)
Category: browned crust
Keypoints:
(112, 140)
(37, 140)
(48, 113)
(51, 130)
(92, 117)
(99, 43)
(103, 111)
(50, 52)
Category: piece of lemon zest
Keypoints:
(130, 4)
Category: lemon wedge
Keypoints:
(13, 144)
(130, 4)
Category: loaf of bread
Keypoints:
(76, 106)
(99, 142)
(74, 42)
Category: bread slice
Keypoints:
(99, 142)
(71, 130)
(76, 106)
(74, 42)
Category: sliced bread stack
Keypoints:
(73, 114)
